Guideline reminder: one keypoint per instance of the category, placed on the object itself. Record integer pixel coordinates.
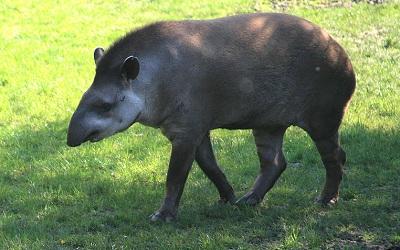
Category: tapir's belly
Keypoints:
(240, 108)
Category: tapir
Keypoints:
(263, 71)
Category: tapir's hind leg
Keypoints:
(272, 161)
(323, 127)
(333, 157)
(206, 160)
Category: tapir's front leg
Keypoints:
(182, 157)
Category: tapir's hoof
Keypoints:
(163, 216)
(231, 200)
(327, 200)
(249, 199)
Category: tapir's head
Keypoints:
(110, 105)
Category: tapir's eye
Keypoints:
(105, 106)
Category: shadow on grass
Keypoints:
(28, 143)
(64, 204)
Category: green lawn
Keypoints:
(100, 195)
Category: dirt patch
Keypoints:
(354, 239)
(287, 4)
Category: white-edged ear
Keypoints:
(98, 54)
(130, 68)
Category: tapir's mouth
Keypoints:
(93, 137)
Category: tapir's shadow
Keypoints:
(39, 174)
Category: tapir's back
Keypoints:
(257, 69)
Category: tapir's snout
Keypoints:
(77, 134)
(74, 138)
(87, 126)
(72, 142)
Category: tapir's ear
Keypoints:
(130, 68)
(98, 53)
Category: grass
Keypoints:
(100, 195)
